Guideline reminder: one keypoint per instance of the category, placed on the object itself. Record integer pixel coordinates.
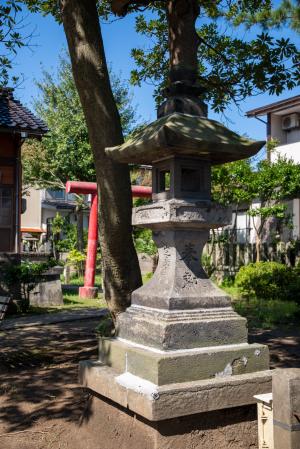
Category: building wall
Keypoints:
(9, 193)
(289, 141)
(32, 217)
(291, 151)
(277, 131)
(48, 213)
(293, 136)
(37, 213)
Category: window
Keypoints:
(6, 206)
(56, 194)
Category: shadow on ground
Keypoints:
(284, 345)
(40, 400)
(38, 374)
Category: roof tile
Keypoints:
(14, 116)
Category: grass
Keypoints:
(232, 291)
(268, 314)
(80, 280)
(261, 313)
(71, 302)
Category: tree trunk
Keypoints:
(257, 246)
(183, 39)
(121, 269)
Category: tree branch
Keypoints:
(120, 7)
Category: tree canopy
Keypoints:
(11, 38)
(242, 183)
(65, 153)
(233, 63)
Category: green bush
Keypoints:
(269, 281)
(21, 278)
(143, 241)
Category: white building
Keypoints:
(282, 120)
(40, 207)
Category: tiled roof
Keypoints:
(275, 107)
(15, 117)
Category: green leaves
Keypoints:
(271, 183)
(268, 281)
(232, 65)
(65, 153)
(11, 38)
(277, 211)
(231, 68)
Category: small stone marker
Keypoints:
(286, 405)
(265, 421)
(4, 302)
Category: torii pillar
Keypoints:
(90, 188)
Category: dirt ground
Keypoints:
(40, 401)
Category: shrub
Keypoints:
(269, 280)
(208, 264)
(77, 259)
(143, 241)
(21, 278)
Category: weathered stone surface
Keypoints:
(179, 281)
(187, 135)
(286, 408)
(88, 292)
(157, 403)
(48, 291)
(167, 367)
(188, 179)
(177, 213)
(182, 329)
(181, 349)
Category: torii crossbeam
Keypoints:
(90, 188)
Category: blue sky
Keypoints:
(119, 37)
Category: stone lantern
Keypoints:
(180, 312)
(180, 350)
(179, 373)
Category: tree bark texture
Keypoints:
(120, 264)
(183, 39)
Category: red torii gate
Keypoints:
(90, 188)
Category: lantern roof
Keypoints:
(185, 135)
